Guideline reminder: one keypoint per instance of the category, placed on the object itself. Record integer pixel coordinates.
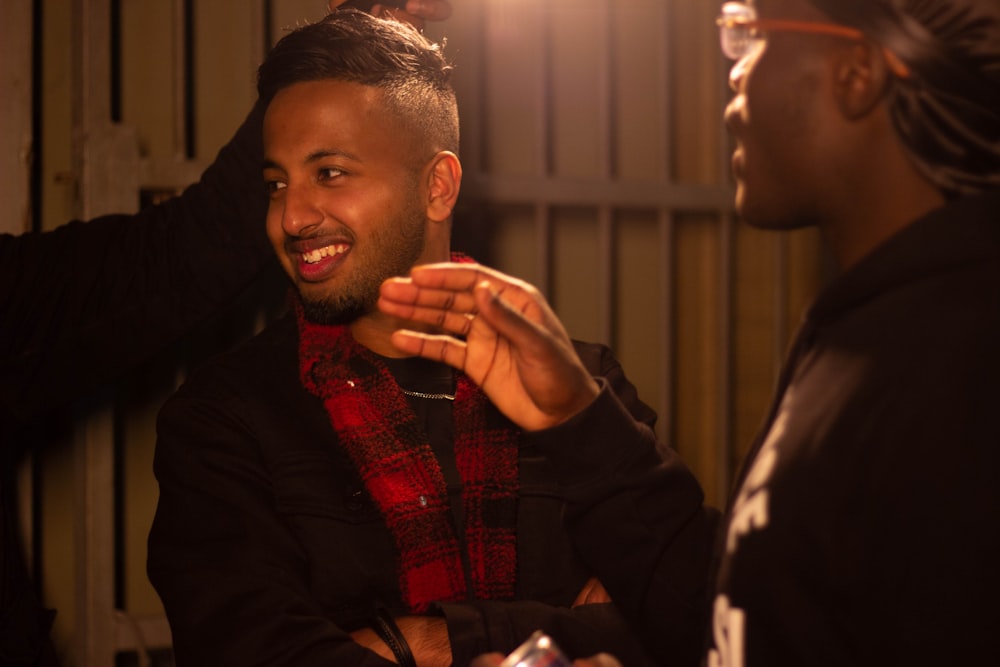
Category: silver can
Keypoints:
(538, 650)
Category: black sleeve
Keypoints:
(88, 300)
(485, 626)
(232, 576)
(637, 516)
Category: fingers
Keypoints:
(511, 322)
(451, 287)
(429, 10)
(399, 295)
(446, 295)
(450, 312)
(462, 277)
(453, 311)
(557, 382)
(438, 348)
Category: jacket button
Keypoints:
(354, 500)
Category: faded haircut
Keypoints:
(349, 45)
(947, 112)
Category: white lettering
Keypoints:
(750, 509)
(728, 629)
(749, 513)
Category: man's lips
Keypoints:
(317, 262)
(317, 255)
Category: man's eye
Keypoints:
(273, 186)
(330, 173)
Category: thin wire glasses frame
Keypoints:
(741, 33)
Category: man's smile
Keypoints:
(314, 256)
(314, 262)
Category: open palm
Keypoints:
(500, 332)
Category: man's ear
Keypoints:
(861, 76)
(444, 179)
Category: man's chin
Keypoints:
(747, 212)
(744, 210)
(333, 314)
(768, 220)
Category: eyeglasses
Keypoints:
(741, 33)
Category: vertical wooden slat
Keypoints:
(605, 214)
(607, 247)
(15, 170)
(543, 155)
(106, 163)
(179, 97)
(93, 460)
(105, 156)
(259, 29)
(15, 140)
(543, 250)
(668, 279)
(475, 102)
(95, 627)
(668, 382)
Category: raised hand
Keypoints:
(500, 332)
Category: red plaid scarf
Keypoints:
(385, 440)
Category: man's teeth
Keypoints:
(314, 256)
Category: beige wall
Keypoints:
(632, 92)
(555, 95)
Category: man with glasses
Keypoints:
(863, 528)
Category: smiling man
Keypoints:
(322, 500)
(347, 183)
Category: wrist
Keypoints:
(387, 630)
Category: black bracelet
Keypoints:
(387, 630)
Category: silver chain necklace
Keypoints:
(420, 394)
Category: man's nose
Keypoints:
(301, 214)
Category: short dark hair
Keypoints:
(350, 45)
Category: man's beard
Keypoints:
(334, 311)
(396, 249)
